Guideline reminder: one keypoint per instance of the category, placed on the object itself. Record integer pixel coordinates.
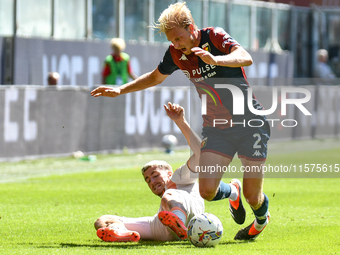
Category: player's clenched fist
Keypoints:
(105, 91)
(206, 56)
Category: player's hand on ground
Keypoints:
(206, 56)
(106, 91)
(174, 111)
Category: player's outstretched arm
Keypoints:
(142, 82)
(176, 113)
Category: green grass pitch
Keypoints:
(48, 206)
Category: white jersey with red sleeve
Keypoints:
(184, 179)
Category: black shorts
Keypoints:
(248, 142)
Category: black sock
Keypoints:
(223, 191)
(261, 213)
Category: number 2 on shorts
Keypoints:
(256, 144)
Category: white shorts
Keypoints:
(150, 228)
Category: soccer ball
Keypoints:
(205, 230)
(168, 142)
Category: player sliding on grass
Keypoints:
(180, 198)
(210, 57)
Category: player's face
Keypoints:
(157, 178)
(182, 39)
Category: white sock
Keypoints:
(180, 214)
(259, 227)
(233, 193)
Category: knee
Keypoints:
(170, 200)
(165, 200)
(254, 200)
(207, 194)
(167, 196)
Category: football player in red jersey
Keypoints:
(208, 57)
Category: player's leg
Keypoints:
(111, 228)
(258, 201)
(140, 225)
(172, 202)
(213, 189)
(216, 154)
(210, 185)
(177, 209)
(173, 214)
(252, 151)
(149, 228)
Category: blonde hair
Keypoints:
(159, 163)
(177, 14)
(118, 43)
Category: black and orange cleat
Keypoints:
(172, 221)
(236, 208)
(250, 232)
